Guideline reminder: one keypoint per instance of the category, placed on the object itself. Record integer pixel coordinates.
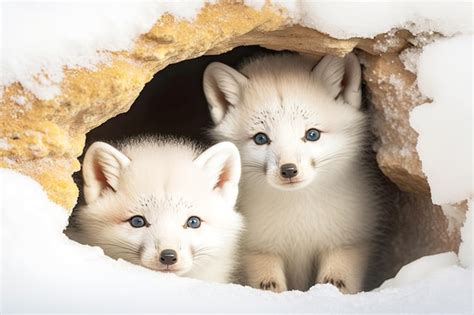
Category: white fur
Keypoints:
(166, 182)
(319, 226)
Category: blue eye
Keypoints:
(261, 138)
(312, 134)
(193, 222)
(137, 221)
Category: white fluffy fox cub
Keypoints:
(306, 192)
(163, 204)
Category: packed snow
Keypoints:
(62, 35)
(345, 19)
(445, 125)
(78, 34)
(466, 247)
(44, 271)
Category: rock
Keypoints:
(392, 93)
(44, 138)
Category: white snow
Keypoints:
(44, 271)
(39, 39)
(465, 249)
(420, 269)
(445, 125)
(58, 35)
(409, 58)
(345, 19)
(4, 145)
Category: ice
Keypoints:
(44, 271)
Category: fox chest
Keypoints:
(288, 226)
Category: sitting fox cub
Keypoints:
(162, 204)
(307, 193)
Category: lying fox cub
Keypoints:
(306, 193)
(162, 204)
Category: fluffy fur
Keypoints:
(165, 181)
(319, 226)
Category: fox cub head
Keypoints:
(165, 206)
(294, 121)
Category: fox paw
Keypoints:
(335, 282)
(272, 285)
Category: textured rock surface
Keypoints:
(392, 92)
(44, 138)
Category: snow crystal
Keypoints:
(390, 40)
(44, 271)
(445, 125)
(409, 58)
(4, 145)
(19, 99)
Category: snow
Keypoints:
(62, 35)
(465, 249)
(445, 125)
(4, 145)
(77, 34)
(420, 269)
(409, 58)
(345, 19)
(455, 215)
(44, 271)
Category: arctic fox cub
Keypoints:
(163, 204)
(306, 191)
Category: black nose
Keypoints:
(168, 257)
(288, 170)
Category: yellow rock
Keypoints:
(44, 138)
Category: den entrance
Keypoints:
(173, 103)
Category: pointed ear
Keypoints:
(222, 87)
(222, 163)
(341, 77)
(101, 169)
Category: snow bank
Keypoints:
(40, 39)
(445, 125)
(345, 19)
(44, 271)
(465, 249)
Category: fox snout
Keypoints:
(289, 174)
(168, 257)
(288, 170)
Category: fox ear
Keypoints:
(222, 164)
(101, 169)
(222, 87)
(341, 77)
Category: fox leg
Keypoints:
(264, 271)
(344, 268)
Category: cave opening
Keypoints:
(173, 103)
